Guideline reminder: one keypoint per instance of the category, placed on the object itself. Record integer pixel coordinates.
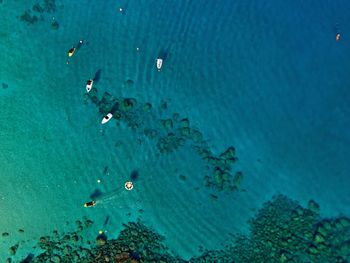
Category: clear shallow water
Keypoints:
(267, 78)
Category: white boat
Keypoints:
(107, 118)
(159, 63)
(89, 85)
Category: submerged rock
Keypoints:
(29, 258)
(129, 83)
(38, 8)
(213, 197)
(28, 18)
(88, 222)
(345, 221)
(101, 239)
(176, 116)
(281, 231)
(169, 143)
(49, 6)
(147, 106)
(128, 103)
(13, 249)
(55, 25)
(163, 105)
(313, 206)
(151, 133)
(182, 177)
(196, 135)
(56, 259)
(185, 123)
(167, 124)
(140, 118)
(229, 153)
(237, 179)
(185, 131)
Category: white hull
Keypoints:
(107, 118)
(159, 63)
(89, 85)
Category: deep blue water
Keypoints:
(267, 77)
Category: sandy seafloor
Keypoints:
(267, 77)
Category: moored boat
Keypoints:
(89, 85)
(107, 118)
(159, 63)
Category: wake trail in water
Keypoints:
(110, 197)
(122, 196)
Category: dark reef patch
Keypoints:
(28, 259)
(4, 85)
(281, 231)
(129, 83)
(50, 6)
(28, 18)
(170, 135)
(55, 25)
(41, 11)
(38, 8)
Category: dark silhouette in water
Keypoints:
(163, 54)
(4, 85)
(106, 221)
(96, 194)
(97, 76)
(105, 170)
(134, 175)
(129, 82)
(115, 108)
(28, 259)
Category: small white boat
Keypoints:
(159, 63)
(89, 85)
(107, 118)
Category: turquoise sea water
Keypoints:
(268, 78)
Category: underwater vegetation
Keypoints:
(38, 11)
(284, 231)
(170, 134)
(281, 231)
(135, 243)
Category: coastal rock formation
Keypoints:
(284, 231)
(135, 243)
(281, 231)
